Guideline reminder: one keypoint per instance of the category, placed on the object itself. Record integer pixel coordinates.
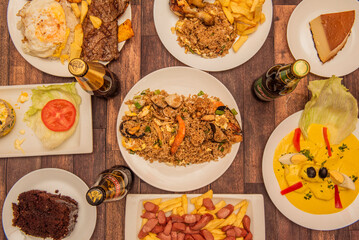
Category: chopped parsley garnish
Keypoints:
(219, 112)
(234, 112)
(132, 152)
(137, 105)
(156, 92)
(200, 93)
(308, 196)
(343, 147)
(307, 153)
(147, 129)
(354, 178)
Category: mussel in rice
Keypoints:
(131, 129)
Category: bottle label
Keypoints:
(260, 91)
(117, 188)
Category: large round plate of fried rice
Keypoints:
(179, 129)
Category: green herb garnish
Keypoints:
(219, 112)
(343, 147)
(147, 129)
(156, 92)
(307, 153)
(200, 93)
(137, 105)
(234, 112)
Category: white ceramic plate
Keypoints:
(301, 42)
(255, 210)
(313, 221)
(79, 142)
(52, 67)
(184, 81)
(165, 19)
(50, 180)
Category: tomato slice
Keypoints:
(58, 115)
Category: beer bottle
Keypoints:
(94, 77)
(280, 80)
(111, 185)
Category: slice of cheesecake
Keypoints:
(330, 33)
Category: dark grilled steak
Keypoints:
(101, 44)
(108, 10)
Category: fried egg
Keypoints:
(43, 24)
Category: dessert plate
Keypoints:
(52, 67)
(184, 81)
(301, 42)
(80, 142)
(255, 210)
(313, 221)
(165, 19)
(51, 180)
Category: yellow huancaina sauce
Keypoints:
(317, 194)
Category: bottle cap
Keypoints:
(78, 67)
(300, 68)
(95, 196)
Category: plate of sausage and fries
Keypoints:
(162, 216)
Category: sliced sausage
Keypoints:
(163, 236)
(188, 237)
(249, 236)
(151, 207)
(180, 236)
(238, 231)
(148, 215)
(176, 218)
(174, 236)
(244, 232)
(246, 223)
(161, 217)
(225, 211)
(190, 231)
(189, 218)
(197, 237)
(147, 227)
(142, 234)
(178, 227)
(168, 228)
(198, 217)
(207, 234)
(206, 218)
(158, 229)
(231, 233)
(226, 228)
(207, 202)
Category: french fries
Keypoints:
(245, 15)
(217, 226)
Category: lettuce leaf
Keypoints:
(332, 106)
(40, 97)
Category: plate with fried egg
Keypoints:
(44, 32)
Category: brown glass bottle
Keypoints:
(111, 185)
(94, 78)
(280, 80)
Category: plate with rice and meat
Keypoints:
(213, 35)
(49, 33)
(178, 134)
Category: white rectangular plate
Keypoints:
(255, 210)
(79, 142)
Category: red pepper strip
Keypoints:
(296, 139)
(338, 203)
(326, 139)
(292, 188)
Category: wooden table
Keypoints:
(140, 56)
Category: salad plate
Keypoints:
(333, 221)
(165, 19)
(255, 210)
(184, 81)
(53, 180)
(80, 142)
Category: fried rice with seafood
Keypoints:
(179, 130)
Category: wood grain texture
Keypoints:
(140, 56)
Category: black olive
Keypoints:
(311, 172)
(323, 172)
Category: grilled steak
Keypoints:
(101, 44)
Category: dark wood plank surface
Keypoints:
(140, 56)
